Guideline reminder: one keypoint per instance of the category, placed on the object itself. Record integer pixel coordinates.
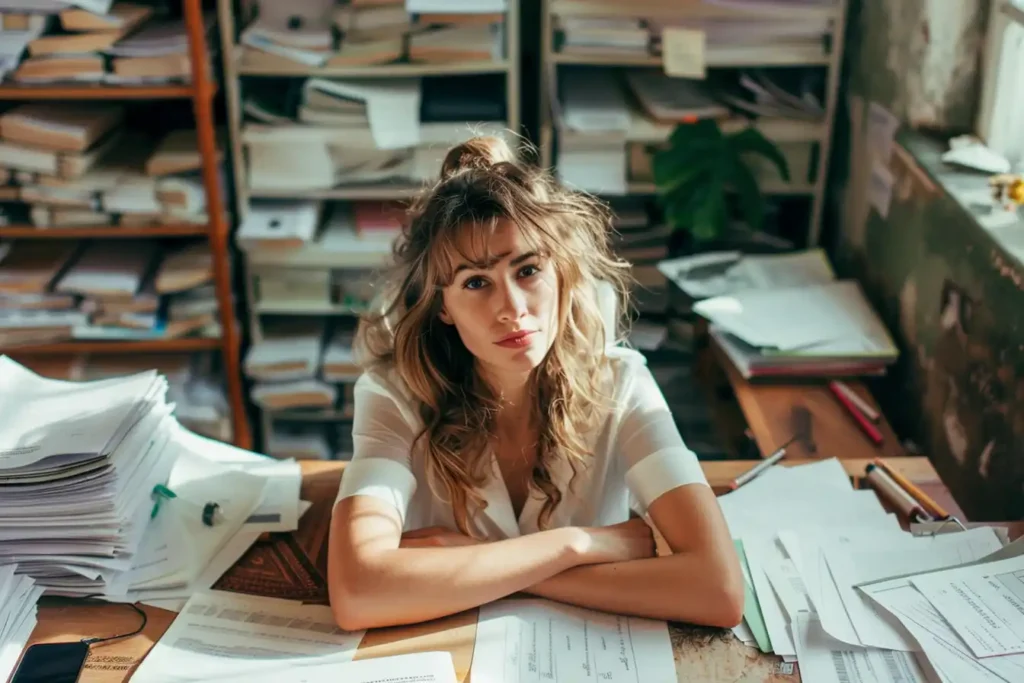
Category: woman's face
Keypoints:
(505, 310)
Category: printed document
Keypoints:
(421, 667)
(984, 603)
(221, 635)
(825, 660)
(536, 640)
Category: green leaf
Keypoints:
(673, 175)
(682, 204)
(710, 215)
(749, 194)
(751, 140)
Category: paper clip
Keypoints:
(942, 524)
(160, 494)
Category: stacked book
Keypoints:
(128, 289)
(358, 132)
(129, 43)
(369, 32)
(785, 315)
(79, 165)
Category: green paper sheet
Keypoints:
(751, 608)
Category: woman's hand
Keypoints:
(632, 540)
(435, 537)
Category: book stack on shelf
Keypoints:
(113, 238)
(80, 164)
(128, 43)
(105, 290)
(338, 116)
(334, 35)
(611, 98)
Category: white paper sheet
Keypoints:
(824, 660)
(882, 127)
(420, 667)
(219, 635)
(538, 640)
(984, 603)
(945, 650)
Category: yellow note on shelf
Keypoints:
(682, 52)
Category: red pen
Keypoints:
(864, 423)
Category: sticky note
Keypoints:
(682, 52)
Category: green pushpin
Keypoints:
(160, 494)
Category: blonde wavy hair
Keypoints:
(482, 184)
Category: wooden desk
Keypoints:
(702, 654)
(768, 410)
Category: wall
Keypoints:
(949, 289)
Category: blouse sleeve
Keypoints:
(657, 460)
(383, 432)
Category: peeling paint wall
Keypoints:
(951, 293)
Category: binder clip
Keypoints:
(160, 494)
(938, 526)
(212, 514)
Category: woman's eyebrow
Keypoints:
(493, 261)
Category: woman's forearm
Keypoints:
(409, 585)
(682, 587)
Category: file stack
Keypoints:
(834, 583)
(102, 492)
(77, 464)
(785, 315)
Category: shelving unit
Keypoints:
(827, 55)
(242, 66)
(201, 91)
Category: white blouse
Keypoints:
(638, 456)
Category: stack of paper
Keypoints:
(18, 597)
(103, 492)
(77, 464)
(809, 542)
(784, 314)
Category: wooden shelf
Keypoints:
(652, 132)
(769, 188)
(799, 54)
(301, 308)
(350, 192)
(689, 10)
(397, 70)
(96, 92)
(119, 346)
(113, 231)
(311, 256)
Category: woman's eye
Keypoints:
(474, 283)
(527, 271)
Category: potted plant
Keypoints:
(701, 168)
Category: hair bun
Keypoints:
(476, 153)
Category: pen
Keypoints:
(760, 467)
(924, 499)
(856, 400)
(896, 495)
(865, 425)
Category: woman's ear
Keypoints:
(445, 318)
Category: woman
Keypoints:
(500, 441)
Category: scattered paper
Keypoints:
(520, 640)
(824, 660)
(221, 635)
(420, 667)
(682, 52)
(984, 603)
(880, 187)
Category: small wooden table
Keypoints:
(702, 654)
(768, 410)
